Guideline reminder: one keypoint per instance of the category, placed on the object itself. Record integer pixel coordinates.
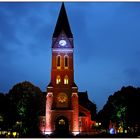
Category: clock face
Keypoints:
(62, 98)
(62, 42)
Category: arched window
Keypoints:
(58, 79)
(66, 61)
(62, 122)
(66, 80)
(58, 61)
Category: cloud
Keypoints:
(24, 25)
(106, 38)
(7, 34)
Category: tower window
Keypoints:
(58, 79)
(66, 80)
(66, 61)
(58, 61)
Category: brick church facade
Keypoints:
(65, 110)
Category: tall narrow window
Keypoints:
(58, 61)
(58, 79)
(66, 61)
(66, 80)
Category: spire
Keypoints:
(62, 23)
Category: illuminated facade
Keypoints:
(63, 111)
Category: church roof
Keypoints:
(62, 24)
(83, 96)
(74, 85)
(49, 85)
(84, 100)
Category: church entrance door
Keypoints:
(62, 125)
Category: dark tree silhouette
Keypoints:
(4, 111)
(27, 104)
(122, 107)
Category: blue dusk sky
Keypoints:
(106, 41)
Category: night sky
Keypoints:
(106, 40)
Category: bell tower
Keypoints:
(62, 92)
(62, 73)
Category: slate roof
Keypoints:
(84, 101)
(62, 24)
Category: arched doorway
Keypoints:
(62, 125)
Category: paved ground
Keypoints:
(105, 135)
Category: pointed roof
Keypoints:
(49, 85)
(62, 23)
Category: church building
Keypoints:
(65, 110)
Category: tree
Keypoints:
(122, 108)
(27, 103)
(5, 120)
